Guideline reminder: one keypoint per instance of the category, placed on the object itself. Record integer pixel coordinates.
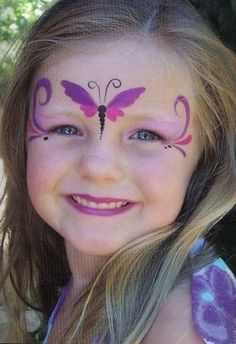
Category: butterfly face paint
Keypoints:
(112, 110)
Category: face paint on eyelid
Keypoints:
(112, 110)
(168, 130)
(182, 139)
(35, 128)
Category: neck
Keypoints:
(83, 267)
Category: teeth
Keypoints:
(93, 205)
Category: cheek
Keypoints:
(163, 177)
(163, 184)
(35, 172)
(44, 168)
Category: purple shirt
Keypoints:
(213, 304)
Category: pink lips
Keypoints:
(99, 212)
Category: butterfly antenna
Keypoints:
(102, 123)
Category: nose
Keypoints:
(101, 164)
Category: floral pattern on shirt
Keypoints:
(214, 303)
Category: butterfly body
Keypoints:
(102, 114)
(102, 109)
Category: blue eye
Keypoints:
(147, 135)
(65, 130)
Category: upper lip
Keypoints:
(101, 199)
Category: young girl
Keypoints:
(118, 142)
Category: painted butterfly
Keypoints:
(89, 107)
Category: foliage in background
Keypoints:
(15, 17)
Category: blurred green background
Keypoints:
(15, 17)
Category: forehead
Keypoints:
(136, 63)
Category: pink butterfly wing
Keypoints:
(123, 100)
(89, 110)
(80, 96)
(113, 113)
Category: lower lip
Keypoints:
(98, 212)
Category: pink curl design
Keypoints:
(35, 128)
(181, 140)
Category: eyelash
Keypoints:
(59, 129)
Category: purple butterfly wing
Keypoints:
(80, 96)
(123, 100)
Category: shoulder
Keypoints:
(202, 307)
(214, 302)
(174, 324)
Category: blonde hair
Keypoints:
(123, 300)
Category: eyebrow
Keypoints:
(159, 120)
(135, 116)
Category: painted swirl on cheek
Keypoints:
(35, 129)
(184, 138)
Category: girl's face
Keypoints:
(106, 142)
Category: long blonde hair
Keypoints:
(123, 300)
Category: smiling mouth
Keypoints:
(99, 205)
